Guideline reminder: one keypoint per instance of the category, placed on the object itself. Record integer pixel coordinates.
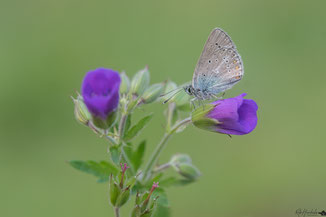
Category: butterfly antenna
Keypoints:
(171, 91)
(172, 95)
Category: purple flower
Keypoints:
(235, 116)
(100, 91)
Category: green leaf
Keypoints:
(173, 181)
(115, 154)
(136, 157)
(162, 200)
(139, 154)
(101, 170)
(157, 178)
(128, 123)
(162, 211)
(134, 131)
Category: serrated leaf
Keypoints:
(102, 169)
(135, 130)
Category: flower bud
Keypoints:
(187, 170)
(233, 116)
(180, 158)
(114, 191)
(140, 82)
(136, 211)
(125, 83)
(168, 92)
(81, 113)
(152, 93)
(147, 196)
(124, 197)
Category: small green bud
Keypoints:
(108, 123)
(136, 211)
(131, 182)
(170, 86)
(125, 83)
(114, 191)
(124, 197)
(138, 199)
(140, 82)
(187, 170)
(81, 112)
(182, 99)
(152, 93)
(200, 120)
(180, 158)
(147, 213)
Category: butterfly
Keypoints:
(218, 69)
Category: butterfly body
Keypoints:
(218, 69)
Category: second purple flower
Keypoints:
(234, 116)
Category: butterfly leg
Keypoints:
(192, 101)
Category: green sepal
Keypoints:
(199, 117)
(108, 123)
(170, 86)
(180, 158)
(152, 93)
(136, 211)
(115, 191)
(125, 83)
(131, 181)
(81, 112)
(188, 171)
(124, 197)
(140, 82)
(147, 213)
(138, 199)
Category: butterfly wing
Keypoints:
(219, 66)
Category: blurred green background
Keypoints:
(46, 47)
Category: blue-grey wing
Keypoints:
(219, 66)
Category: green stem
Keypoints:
(117, 211)
(161, 168)
(152, 161)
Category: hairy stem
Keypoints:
(117, 211)
(161, 168)
(152, 161)
(122, 125)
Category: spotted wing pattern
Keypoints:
(219, 66)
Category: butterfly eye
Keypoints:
(209, 61)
